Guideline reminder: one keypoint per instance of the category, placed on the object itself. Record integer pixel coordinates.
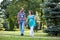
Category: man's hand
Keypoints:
(18, 22)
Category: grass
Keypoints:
(15, 35)
(21, 38)
(26, 33)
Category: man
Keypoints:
(21, 20)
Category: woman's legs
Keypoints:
(31, 31)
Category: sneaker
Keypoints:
(22, 34)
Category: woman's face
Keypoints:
(29, 12)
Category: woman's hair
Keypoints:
(31, 11)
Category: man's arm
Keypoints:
(18, 18)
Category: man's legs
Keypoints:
(20, 26)
(22, 29)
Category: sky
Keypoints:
(1, 1)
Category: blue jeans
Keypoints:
(22, 27)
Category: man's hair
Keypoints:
(21, 8)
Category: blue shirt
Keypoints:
(31, 20)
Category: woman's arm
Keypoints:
(27, 20)
(35, 17)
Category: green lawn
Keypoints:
(26, 33)
(21, 38)
(15, 35)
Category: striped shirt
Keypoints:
(21, 16)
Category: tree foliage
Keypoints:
(14, 8)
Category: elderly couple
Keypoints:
(21, 21)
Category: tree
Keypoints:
(13, 8)
(52, 13)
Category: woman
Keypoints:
(31, 22)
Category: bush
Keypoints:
(11, 24)
(53, 30)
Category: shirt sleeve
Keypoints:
(24, 14)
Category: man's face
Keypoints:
(22, 9)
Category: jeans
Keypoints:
(22, 27)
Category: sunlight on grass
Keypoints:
(21, 38)
(39, 33)
(15, 35)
